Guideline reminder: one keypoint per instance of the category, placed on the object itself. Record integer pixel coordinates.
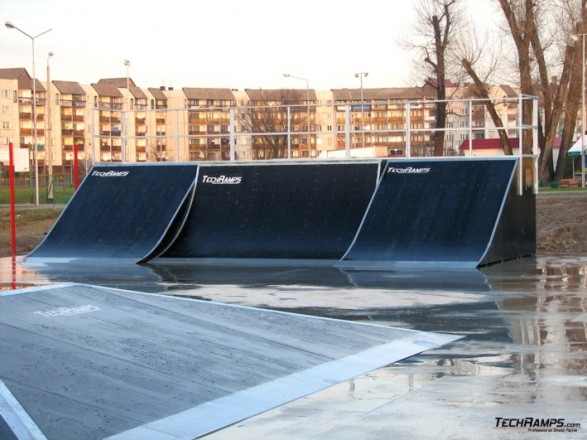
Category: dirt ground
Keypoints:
(561, 224)
(560, 219)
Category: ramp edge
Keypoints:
(225, 411)
(17, 419)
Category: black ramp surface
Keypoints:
(92, 362)
(279, 211)
(120, 211)
(441, 211)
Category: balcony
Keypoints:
(197, 121)
(110, 106)
(114, 120)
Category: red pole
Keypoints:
(12, 204)
(75, 168)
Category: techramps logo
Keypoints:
(537, 424)
(222, 180)
(110, 173)
(408, 170)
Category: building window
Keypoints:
(6, 125)
(5, 109)
(6, 94)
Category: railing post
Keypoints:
(408, 130)
(470, 111)
(124, 138)
(177, 137)
(521, 145)
(12, 201)
(347, 131)
(232, 140)
(535, 142)
(289, 131)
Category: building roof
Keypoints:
(69, 87)
(204, 93)
(106, 89)
(13, 73)
(380, 94)
(120, 83)
(487, 144)
(495, 144)
(280, 95)
(434, 83)
(138, 93)
(509, 91)
(157, 93)
(21, 75)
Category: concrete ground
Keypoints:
(520, 372)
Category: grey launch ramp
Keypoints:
(90, 363)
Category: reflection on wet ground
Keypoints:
(524, 354)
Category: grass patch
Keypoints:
(28, 216)
(26, 195)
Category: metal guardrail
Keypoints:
(308, 131)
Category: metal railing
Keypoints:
(334, 130)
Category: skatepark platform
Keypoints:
(361, 214)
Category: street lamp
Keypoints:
(9, 25)
(49, 138)
(287, 75)
(362, 75)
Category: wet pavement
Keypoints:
(519, 372)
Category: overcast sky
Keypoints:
(227, 43)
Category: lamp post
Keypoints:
(287, 75)
(49, 138)
(9, 25)
(362, 75)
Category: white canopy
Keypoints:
(575, 150)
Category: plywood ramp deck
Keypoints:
(90, 362)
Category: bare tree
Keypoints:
(481, 91)
(157, 152)
(267, 121)
(533, 37)
(480, 61)
(435, 26)
(573, 11)
(520, 17)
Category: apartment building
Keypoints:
(381, 118)
(115, 120)
(23, 119)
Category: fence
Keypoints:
(328, 130)
(245, 132)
